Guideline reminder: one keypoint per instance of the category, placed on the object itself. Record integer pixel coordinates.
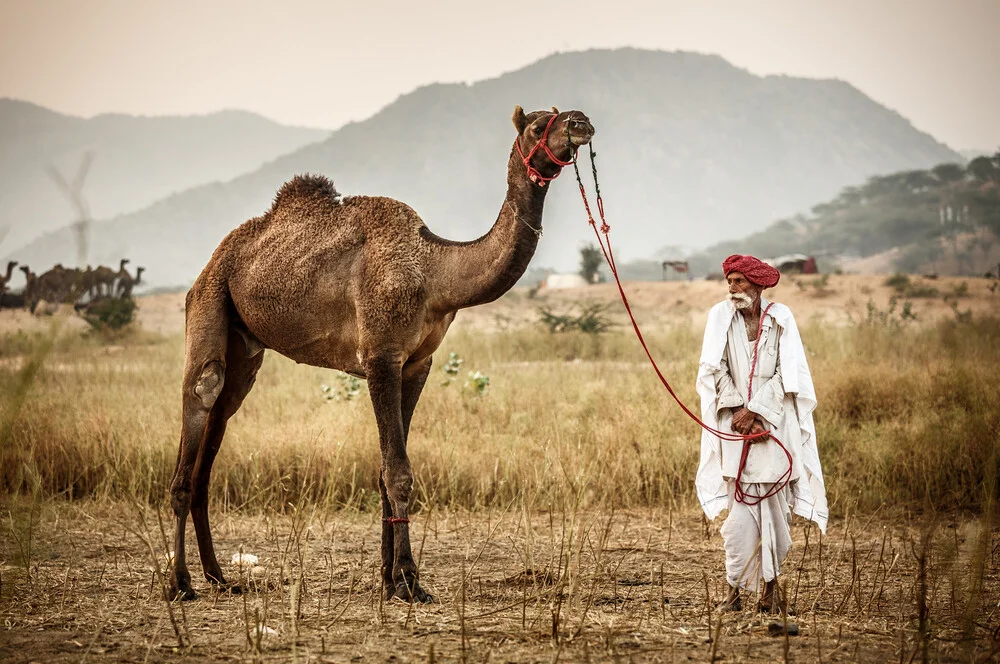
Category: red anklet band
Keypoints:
(393, 520)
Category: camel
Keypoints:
(6, 279)
(30, 288)
(358, 284)
(59, 285)
(103, 280)
(126, 283)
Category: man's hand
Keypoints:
(758, 427)
(743, 419)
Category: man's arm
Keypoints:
(730, 397)
(768, 400)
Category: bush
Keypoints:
(109, 313)
(898, 281)
(591, 320)
(904, 286)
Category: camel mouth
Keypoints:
(580, 131)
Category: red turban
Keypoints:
(755, 270)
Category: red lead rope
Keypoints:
(605, 244)
(741, 495)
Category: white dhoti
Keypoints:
(757, 537)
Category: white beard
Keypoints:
(741, 301)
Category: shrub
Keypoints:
(898, 281)
(591, 320)
(109, 313)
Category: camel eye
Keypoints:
(537, 129)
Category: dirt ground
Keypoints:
(539, 586)
(832, 299)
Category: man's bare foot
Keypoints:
(768, 602)
(732, 603)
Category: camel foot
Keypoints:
(410, 591)
(228, 588)
(219, 582)
(180, 589)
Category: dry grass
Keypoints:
(555, 512)
(908, 416)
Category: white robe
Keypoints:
(758, 537)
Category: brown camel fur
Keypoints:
(357, 284)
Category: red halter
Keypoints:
(533, 173)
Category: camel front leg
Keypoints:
(385, 385)
(412, 385)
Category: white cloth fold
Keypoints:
(808, 492)
(757, 538)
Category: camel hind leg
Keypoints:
(242, 364)
(206, 340)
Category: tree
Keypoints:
(983, 169)
(591, 260)
(948, 173)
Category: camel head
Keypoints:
(548, 140)
(138, 274)
(123, 264)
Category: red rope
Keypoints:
(605, 245)
(392, 520)
(740, 494)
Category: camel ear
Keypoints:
(519, 119)
(555, 110)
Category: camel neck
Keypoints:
(480, 271)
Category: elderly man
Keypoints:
(753, 379)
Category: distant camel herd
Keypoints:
(68, 285)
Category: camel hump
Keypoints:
(307, 188)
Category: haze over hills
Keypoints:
(692, 150)
(945, 220)
(136, 160)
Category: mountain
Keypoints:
(691, 150)
(136, 161)
(944, 220)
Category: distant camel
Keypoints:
(126, 282)
(30, 288)
(6, 279)
(59, 285)
(357, 284)
(104, 279)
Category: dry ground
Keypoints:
(555, 585)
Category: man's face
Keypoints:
(742, 293)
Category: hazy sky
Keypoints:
(326, 63)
